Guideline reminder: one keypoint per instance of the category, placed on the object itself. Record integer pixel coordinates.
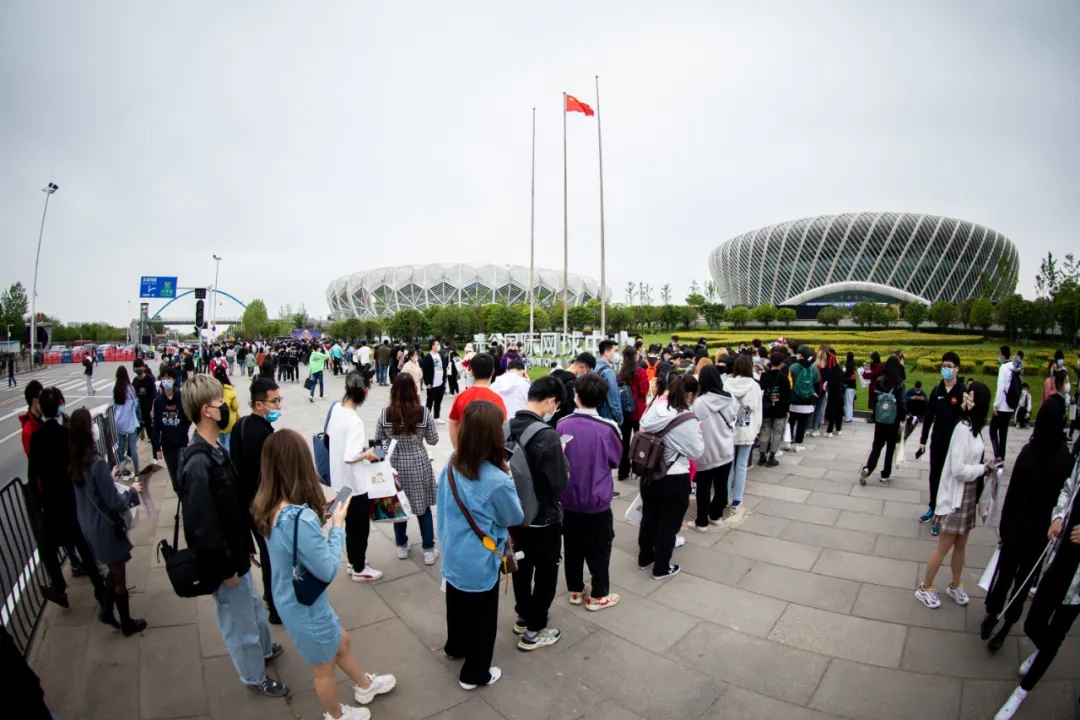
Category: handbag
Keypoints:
(185, 571)
(308, 383)
(320, 448)
(307, 587)
(509, 562)
(387, 510)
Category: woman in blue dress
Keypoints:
(290, 500)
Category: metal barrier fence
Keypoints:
(22, 573)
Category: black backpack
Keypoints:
(1012, 393)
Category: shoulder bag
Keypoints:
(183, 567)
(307, 587)
(509, 562)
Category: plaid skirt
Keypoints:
(961, 520)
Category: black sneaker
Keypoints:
(275, 651)
(762, 461)
(57, 596)
(772, 462)
(273, 618)
(270, 688)
(78, 571)
(673, 570)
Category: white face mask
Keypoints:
(95, 432)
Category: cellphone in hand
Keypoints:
(565, 439)
(379, 452)
(342, 496)
(918, 454)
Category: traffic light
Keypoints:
(200, 293)
(198, 313)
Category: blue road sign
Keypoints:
(155, 286)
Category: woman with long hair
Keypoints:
(125, 419)
(100, 507)
(466, 360)
(850, 383)
(412, 367)
(632, 375)
(957, 496)
(476, 496)
(833, 381)
(872, 374)
(289, 510)
(717, 412)
(747, 394)
(408, 422)
(222, 376)
(145, 386)
(821, 357)
(886, 434)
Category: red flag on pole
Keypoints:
(575, 105)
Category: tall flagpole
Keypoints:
(532, 234)
(565, 232)
(603, 264)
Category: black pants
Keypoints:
(938, 452)
(357, 527)
(1048, 621)
(264, 563)
(1015, 562)
(50, 558)
(834, 412)
(538, 573)
(884, 436)
(173, 456)
(629, 427)
(452, 383)
(588, 539)
(999, 433)
(663, 506)
(434, 400)
(472, 620)
(712, 481)
(798, 427)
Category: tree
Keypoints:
(688, 315)
(714, 313)
(885, 315)
(457, 322)
(670, 316)
(864, 314)
(765, 314)
(631, 291)
(914, 314)
(1044, 315)
(828, 316)
(964, 312)
(1027, 321)
(982, 314)
(1067, 310)
(644, 294)
(299, 319)
(407, 324)
(351, 329)
(541, 319)
(710, 291)
(578, 317)
(739, 316)
(1005, 314)
(255, 318)
(1053, 272)
(618, 318)
(14, 308)
(786, 316)
(665, 293)
(696, 300)
(943, 314)
(694, 288)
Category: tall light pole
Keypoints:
(48, 190)
(213, 310)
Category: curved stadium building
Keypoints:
(384, 291)
(877, 256)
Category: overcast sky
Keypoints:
(302, 141)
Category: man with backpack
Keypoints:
(612, 406)
(1009, 386)
(775, 401)
(541, 474)
(583, 363)
(804, 381)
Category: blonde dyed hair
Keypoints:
(198, 391)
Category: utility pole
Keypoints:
(48, 190)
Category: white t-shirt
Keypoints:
(364, 353)
(347, 441)
(437, 376)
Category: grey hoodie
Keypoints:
(681, 444)
(717, 413)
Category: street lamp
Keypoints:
(48, 190)
(213, 310)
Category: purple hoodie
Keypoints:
(593, 453)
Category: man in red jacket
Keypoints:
(31, 419)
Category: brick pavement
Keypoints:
(803, 611)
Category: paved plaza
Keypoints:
(804, 611)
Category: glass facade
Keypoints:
(895, 256)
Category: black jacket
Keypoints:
(1036, 482)
(145, 391)
(245, 449)
(942, 412)
(775, 383)
(216, 525)
(833, 378)
(427, 367)
(171, 425)
(569, 405)
(49, 474)
(547, 463)
(901, 403)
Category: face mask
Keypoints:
(1000, 361)
(948, 373)
(95, 433)
(548, 416)
(273, 416)
(223, 418)
(60, 412)
(1061, 363)
(166, 384)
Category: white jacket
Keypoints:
(963, 464)
(717, 413)
(1005, 373)
(747, 393)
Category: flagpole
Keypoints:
(603, 264)
(532, 235)
(565, 231)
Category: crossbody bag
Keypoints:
(509, 562)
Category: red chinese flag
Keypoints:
(575, 105)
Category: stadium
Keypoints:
(877, 256)
(383, 291)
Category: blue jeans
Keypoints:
(427, 531)
(819, 413)
(243, 625)
(317, 377)
(737, 478)
(849, 404)
(381, 372)
(125, 447)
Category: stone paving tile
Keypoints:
(606, 664)
(806, 471)
(779, 552)
(54, 650)
(475, 709)
(898, 548)
(760, 524)
(845, 502)
(171, 674)
(704, 563)
(828, 537)
(884, 492)
(900, 606)
(611, 711)
(797, 511)
(1049, 701)
(740, 610)
(544, 684)
(911, 511)
(358, 604)
(841, 636)
(777, 492)
(107, 646)
(768, 476)
(804, 588)
(863, 691)
(1066, 665)
(970, 579)
(747, 705)
(211, 643)
(900, 527)
(228, 698)
(160, 606)
(419, 603)
(866, 568)
(643, 622)
(775, 670)
(109, 694)
(958, 654)
(823, 484)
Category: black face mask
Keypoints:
(223, 420)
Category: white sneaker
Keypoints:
(379, 684)
(1012, 704)
(679, 542)
(839, 433)
(1026, 665)
(694, 526)
(403, 552)
(369, 573)
(348, 712)
(496, 673)
(787, 447)
(957, 593)
(928, 597)
(440, 421)
(430, 556)
(781, 452)
(828, 435)
(815, 433)
(800, 448)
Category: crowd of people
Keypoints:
(529, 484)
